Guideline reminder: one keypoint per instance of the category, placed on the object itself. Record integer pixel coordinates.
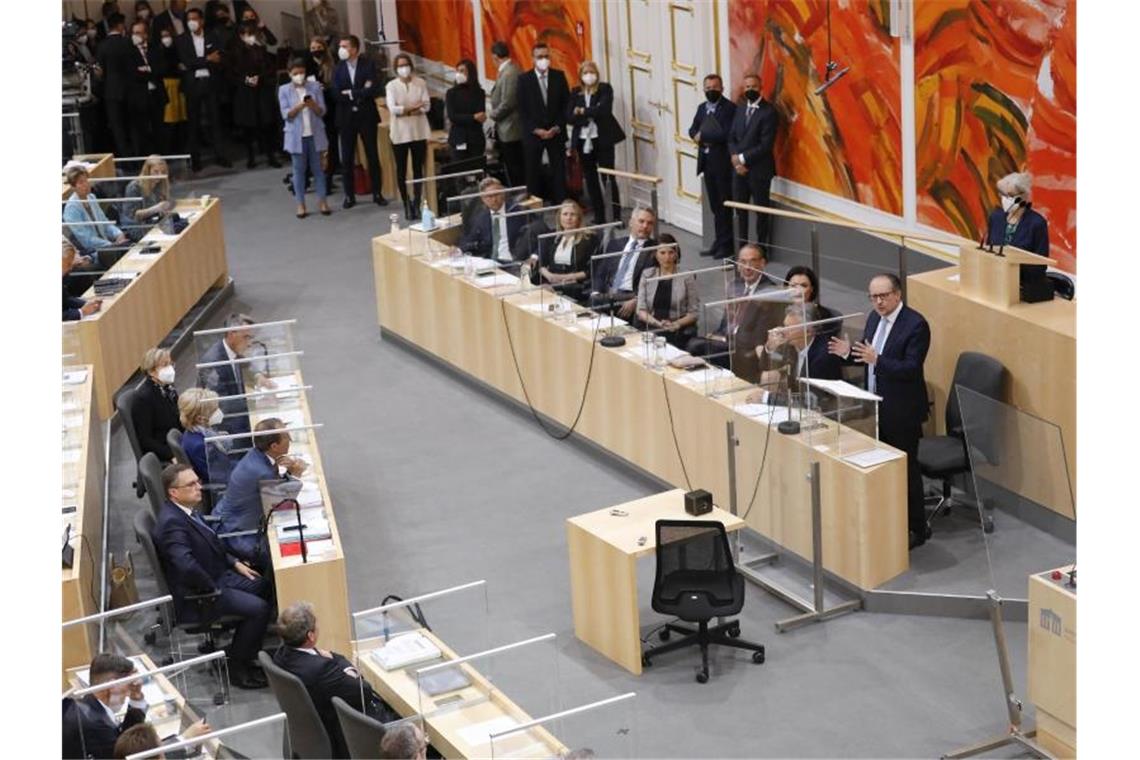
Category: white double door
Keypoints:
(658, 53)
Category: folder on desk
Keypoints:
(406, 649)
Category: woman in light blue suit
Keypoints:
(83, 208)
(302, 106)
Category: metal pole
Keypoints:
(815, 252)
(730, 436)
(656, 212)
(816, 537)
(106, 528)
(902, 265)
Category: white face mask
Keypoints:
(167, 41)
(460, 78)
(589, 79)
(166, 374)
(343, 53)
(216, 418)
(298, 79)
(143, 13)
(193, 24)
(403, 72)
(137, 39)
(542, 64)
(249, 39)
(1007, 203)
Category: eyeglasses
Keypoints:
(196, 483)
(875, 297)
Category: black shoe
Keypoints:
(379, 200)
(349, 202)
(410, 212)
(247, 678)
(274, 162)
(913, 541)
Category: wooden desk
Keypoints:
(1037, 343)
(168, 284)
(444, 726)
(604, 550)
(322, 580)
(626, 410)
(83, 478)
(1053, 661)
(103, 166)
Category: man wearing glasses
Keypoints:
(895, 341)
(196, 562)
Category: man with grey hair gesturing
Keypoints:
(325, 674)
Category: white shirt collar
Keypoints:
(229, 351)
(894, 314)
(189, 512)
(504, 63)
(308, 651)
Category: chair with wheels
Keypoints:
(697, 581)
(362, 733)
(941, 457)
(125, 404)
(307, 737)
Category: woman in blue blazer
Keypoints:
(302, 106)
(1016, 223)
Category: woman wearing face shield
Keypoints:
(1015, 222)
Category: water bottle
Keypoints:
(427, 218)
(393, 222)
(659, 351)
(524, 275)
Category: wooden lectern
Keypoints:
(994, 279)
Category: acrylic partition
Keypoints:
(622, 192)
(402, 634)
(143, 631)
(177, 695)
(267, 736)
(561, 261)
(605, 728)
(222, 454)
(430, 194)
(118, 206)
(1021, 484)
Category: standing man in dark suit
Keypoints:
(543, 97)
(711, 126)
(114, 56)
(91, 724)
(893, 349)
(750, 144)
(146, 92)
(617, 278)
(196, 562)
(200, 54)
(505, 114)
(325, 674)
(357, 87)
(173, 18)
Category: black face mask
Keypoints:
(318, 54)
(752, 95)
(712, 96)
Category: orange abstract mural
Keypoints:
(441, 30)
(847, 141)
(996, 92)
(564, 25)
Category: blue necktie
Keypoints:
(623, 267)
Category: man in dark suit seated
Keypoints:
(227, 378)
(617, 278)
(325, 674)
(745, 324)
(196, 562)
(796, 350)
(91, 724)
(479, 238)
(893, 350)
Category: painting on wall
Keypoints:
(848, 140)
(996, 92)
(563, 24)
(442, 30)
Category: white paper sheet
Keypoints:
(772, 415)
(74, 377)
(480, 733)
(872, 457)
(496, 280)
(841, 388)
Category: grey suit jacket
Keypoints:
(505, 104)
(683, 299)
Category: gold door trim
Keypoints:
(684, 68)
(633, 120)
(677, 107)
(636, 159)
(680, 188)
(630, 50)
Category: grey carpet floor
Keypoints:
(436, 483)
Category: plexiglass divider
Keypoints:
(144, 628)
(262, 737)
(560, 262)
(623, 190)
(605, 728)
(492, 690)
(746, 320)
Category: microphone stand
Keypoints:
(611, 340)
(788, 426)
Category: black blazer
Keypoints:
(87, 729)
(362, 105)
(601, 110)
(71, 305)
(155, 413)
(115, 55)
(538, 115)
(1031, 234)
(478, 237)
(325, 678)
(192, 556)
(899, 378)
(606, 269)
(140, 96)
(711, 131)
(463, 101)
(755, 137)
(188, 57)
(226, 380)
(579, 258)
(164, 20)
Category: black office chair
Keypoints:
(174, 441)
(941, 457)
(211, 493)
(125, 404)
(1063, 285)
(362, 734)
(307, 737)
(150, 476)
(206, 623)
(696, 581)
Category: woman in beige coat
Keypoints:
(408, 102)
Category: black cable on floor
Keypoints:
(518, 372)
(673, 430)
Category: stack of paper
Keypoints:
(871, 457)
(406, 649)
(314, 521)
(495, 280)
(310, 495)
(74, 377)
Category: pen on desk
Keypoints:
(384, 618)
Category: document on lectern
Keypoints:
(842, 389)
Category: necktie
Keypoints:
(751, 111)
(626, 260)
(542, 82)
(877, 344)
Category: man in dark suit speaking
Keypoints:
(710, 128)
(325, 674)
(543, 97)
(750, 144)
(893, 349)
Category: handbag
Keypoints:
(574, 174)
(123, 589)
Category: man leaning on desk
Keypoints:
(479, 236)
